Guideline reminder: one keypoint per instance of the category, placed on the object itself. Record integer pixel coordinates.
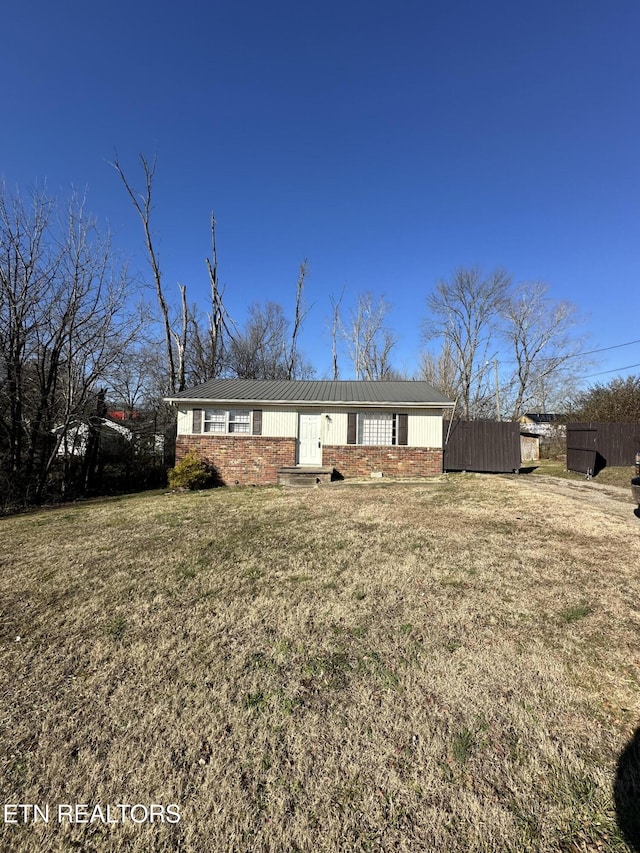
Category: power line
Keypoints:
(605, 349)
(579, 355)
(615, 370)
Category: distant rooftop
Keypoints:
(542, 417)
(314, 391)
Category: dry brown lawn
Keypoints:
(444, 666)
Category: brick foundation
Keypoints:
(355, 460)
(248, 460)
(243, 460)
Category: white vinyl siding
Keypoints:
(424, 426)
(185, 420)
(280, 423)
(335, 426)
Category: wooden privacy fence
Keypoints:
(594, 445)
(489, 446)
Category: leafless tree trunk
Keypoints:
(85, 332)
(441, 371)
(265, 348)
(63, 323)
(143, 206)
(133, 380)
(298, 318)
(207, 352)
(259, 351)
(540, 332)
(368, 340)
(191, 353)
(335, 332)
(464, 313)
(180, 339)
(217, 318)
(25, 272)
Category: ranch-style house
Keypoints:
(254, 431)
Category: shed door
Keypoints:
(309, 440)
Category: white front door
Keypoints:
(309, 440)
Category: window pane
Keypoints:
(375, 428)
(239, 420)
(214, 420)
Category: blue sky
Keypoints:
(387, 143)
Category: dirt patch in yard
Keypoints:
(615, 499)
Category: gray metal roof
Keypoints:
(312, 391)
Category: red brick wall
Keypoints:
(354, 460)
(247, 460)
(241, 459)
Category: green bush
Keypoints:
(192, 473)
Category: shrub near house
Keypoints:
(191, 473)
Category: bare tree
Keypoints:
(194, 348)
(368, 340)
(267, 346)
(541, 333)
(298, 318)
(335, 332)
(200, 364)
(210, 334)
(464, 315)
(134, 381)
(26, 269)
(261, 350)
(441, 370)
(142, 203)
(219, 322)
(63, 323)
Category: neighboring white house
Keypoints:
(545, 425)
(251, 429)
(74, 439)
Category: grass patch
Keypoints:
(610, 476)
(385, 667)
(575, 613)
(463, 745)
(116, 627)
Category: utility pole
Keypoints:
(495, 367)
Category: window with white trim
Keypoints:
(227, 420)
(239, 420)
(214, 420)
(376, 428)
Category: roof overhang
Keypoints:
(297, 404)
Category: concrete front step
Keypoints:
(304, 477)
